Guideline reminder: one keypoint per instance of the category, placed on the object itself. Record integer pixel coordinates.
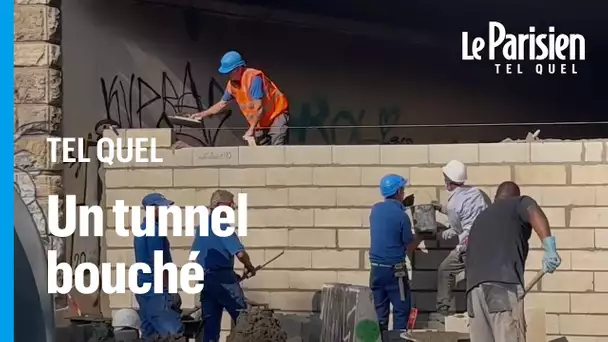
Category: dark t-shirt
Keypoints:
(498, 243)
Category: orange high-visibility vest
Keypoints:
(274, 101)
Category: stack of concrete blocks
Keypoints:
(314, 202)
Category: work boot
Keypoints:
(437, 319)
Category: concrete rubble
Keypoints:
(257, 325)
(535, 137)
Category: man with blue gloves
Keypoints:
(222, 288)
(262, 103)
(157, 317)
(391, 236)
(497, 252)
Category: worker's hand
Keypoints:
(551, 259)
(461, 248)
(448, 234)
(198, 116)
(408, 201)
(437, 205)
(248, 272)
(249, 133)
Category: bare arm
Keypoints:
(216, 108)
(538, 220)
(259, 109)
(243, 257)
(414, 244)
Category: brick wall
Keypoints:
(314, 201)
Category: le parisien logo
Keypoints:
(555, 53)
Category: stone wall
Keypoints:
(313, 201)
(38, 102)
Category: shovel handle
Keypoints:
(532, 283)
(259, 267)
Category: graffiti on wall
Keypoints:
(135, 102)
(27, 172)
(139, 103)
(359, 129)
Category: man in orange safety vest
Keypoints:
(262, 103)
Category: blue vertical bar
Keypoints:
(6, 170)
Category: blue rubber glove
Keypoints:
(551, 260)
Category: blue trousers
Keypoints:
(221, 291)
(385, 289)
(157, 317)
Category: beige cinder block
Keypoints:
(556, 152)
(358, 155)
(315, 201)
(504, 153)
(315, 155)
(466, 153)
(536, 324)
(404, 154)
(457, 323)
(269, 155)
(540, 174)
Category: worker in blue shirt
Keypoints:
(222, 289)
(391, 235)
(157, 317)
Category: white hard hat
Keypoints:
(126, 318)
(456, 171)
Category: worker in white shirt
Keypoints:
(464, 204)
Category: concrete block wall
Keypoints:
(313, 201)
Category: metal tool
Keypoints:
(400, 274)
(246, 276)
(532, 283)
(259, 267)
(408, 337)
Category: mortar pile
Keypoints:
(257, 325)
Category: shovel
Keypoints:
(259, 267)
(246, 276)
(532, 283)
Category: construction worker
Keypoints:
(222, 288)
(464, 204)
(262, 103)
(157, 317)
(390, 235)
(497, 252)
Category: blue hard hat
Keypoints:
(390, 184)
(230, 61)
(155, 200)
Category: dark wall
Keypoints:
(331, 78)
